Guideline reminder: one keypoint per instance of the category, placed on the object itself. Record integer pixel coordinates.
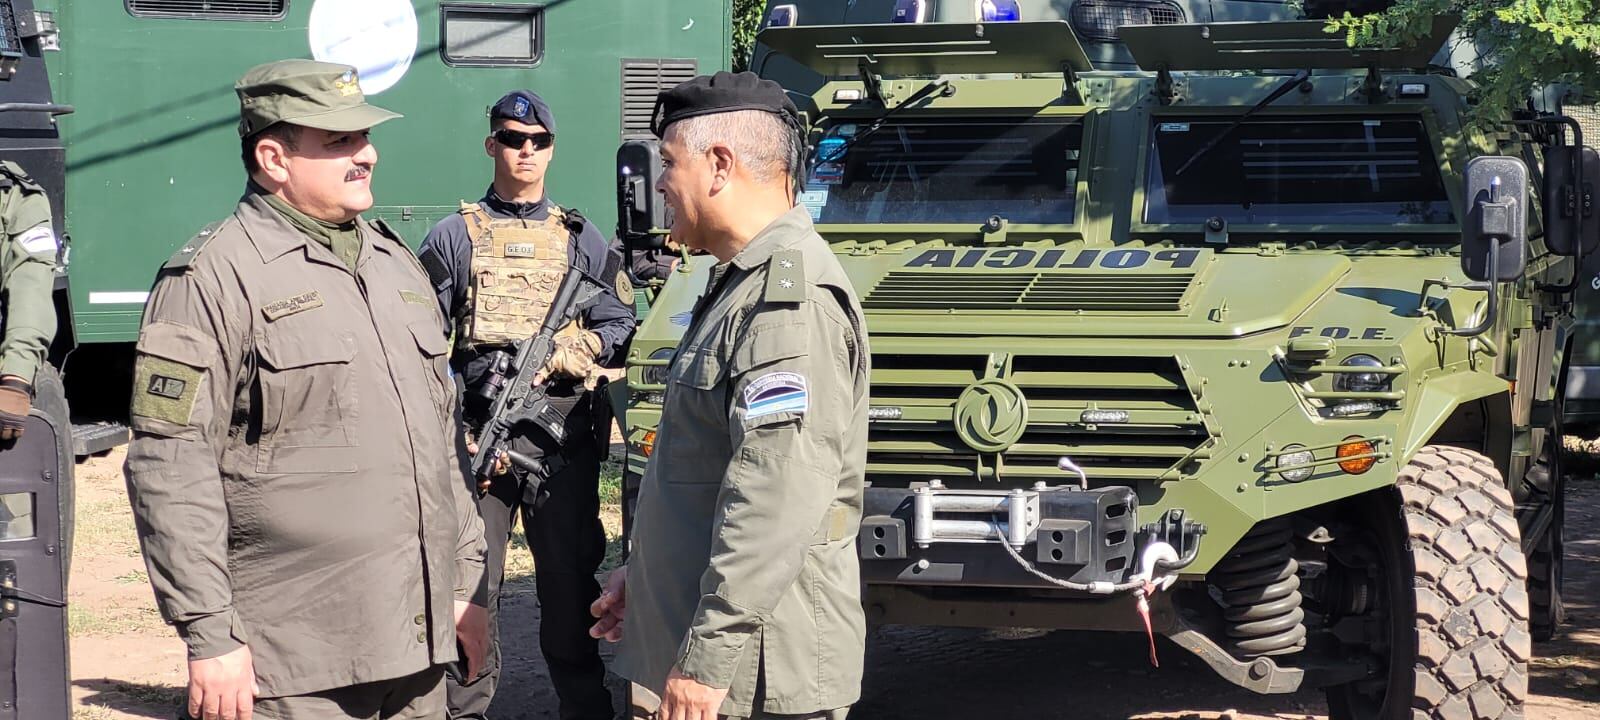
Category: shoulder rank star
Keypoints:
(786, 264)
(786, 283)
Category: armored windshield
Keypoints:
(1295, 171)
(946, 171)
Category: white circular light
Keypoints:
(378, 37)
(1291, 457)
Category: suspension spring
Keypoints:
(1260, 592)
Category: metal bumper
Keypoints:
(928, 534)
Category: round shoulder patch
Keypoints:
(624, 287)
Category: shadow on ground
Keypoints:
(162, 702)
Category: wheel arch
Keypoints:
(1468, 410)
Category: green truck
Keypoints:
(1187, 305)
(152, 152)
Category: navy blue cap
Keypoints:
(524, 106)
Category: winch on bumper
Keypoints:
(928, 534)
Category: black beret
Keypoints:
(523, 106)
(719, 93)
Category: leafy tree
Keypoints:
(1522, 45)
(747, 16)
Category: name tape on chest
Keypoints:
(38, 240)
(415, 298)
(278, 309)
(778, 392)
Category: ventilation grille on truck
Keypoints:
(209, 9)
(642, 80)
(1106, 292)
(1098, 20)
(1159, 429)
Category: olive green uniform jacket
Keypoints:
(294, 472)
(27, 273)
(743, 557)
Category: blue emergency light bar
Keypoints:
(998, 11)
(911, 11)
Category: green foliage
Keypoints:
(1523, 45)
(747, 16)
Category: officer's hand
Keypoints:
(575, 353)
(16, 397)
(686, 699)
(472, 631)
(223, 687)
(610, 606)
(502, 465)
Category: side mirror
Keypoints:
(1570, 225)
(642, 220)
(1494, 235)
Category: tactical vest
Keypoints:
(517, 266)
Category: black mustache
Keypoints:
(358, 172)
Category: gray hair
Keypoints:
(761, 140)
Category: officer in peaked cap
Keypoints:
(495, 267)
(294, 472)
(742, 594)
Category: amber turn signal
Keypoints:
(1356, 450)
(647, 444)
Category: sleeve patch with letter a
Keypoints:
(164, 390)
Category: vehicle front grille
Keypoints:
(1164, 434)
(1110, 292)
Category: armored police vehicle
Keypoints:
(1188, 319)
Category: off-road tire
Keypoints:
(1466, 583)
(1546, 611)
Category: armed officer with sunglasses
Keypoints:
(495, 266)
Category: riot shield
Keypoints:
(35, 522)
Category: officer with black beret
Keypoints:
(741, 597)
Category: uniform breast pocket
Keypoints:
(309, 402)
(698, 367)
(432, 346)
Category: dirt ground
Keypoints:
(127, 665)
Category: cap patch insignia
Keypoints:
(278, 309)
(521, 108)
(347, 83)
(777, 392)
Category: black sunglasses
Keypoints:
(515, 140)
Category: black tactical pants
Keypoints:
(561, 520)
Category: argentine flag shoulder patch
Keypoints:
(773, 393)
(38, 240)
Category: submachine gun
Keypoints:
(518, 399)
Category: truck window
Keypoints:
(947, 171)
(1294, 171)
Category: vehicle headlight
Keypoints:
(1294, 455)
(657, 374)
(1361, 381)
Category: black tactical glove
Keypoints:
(16, 397)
